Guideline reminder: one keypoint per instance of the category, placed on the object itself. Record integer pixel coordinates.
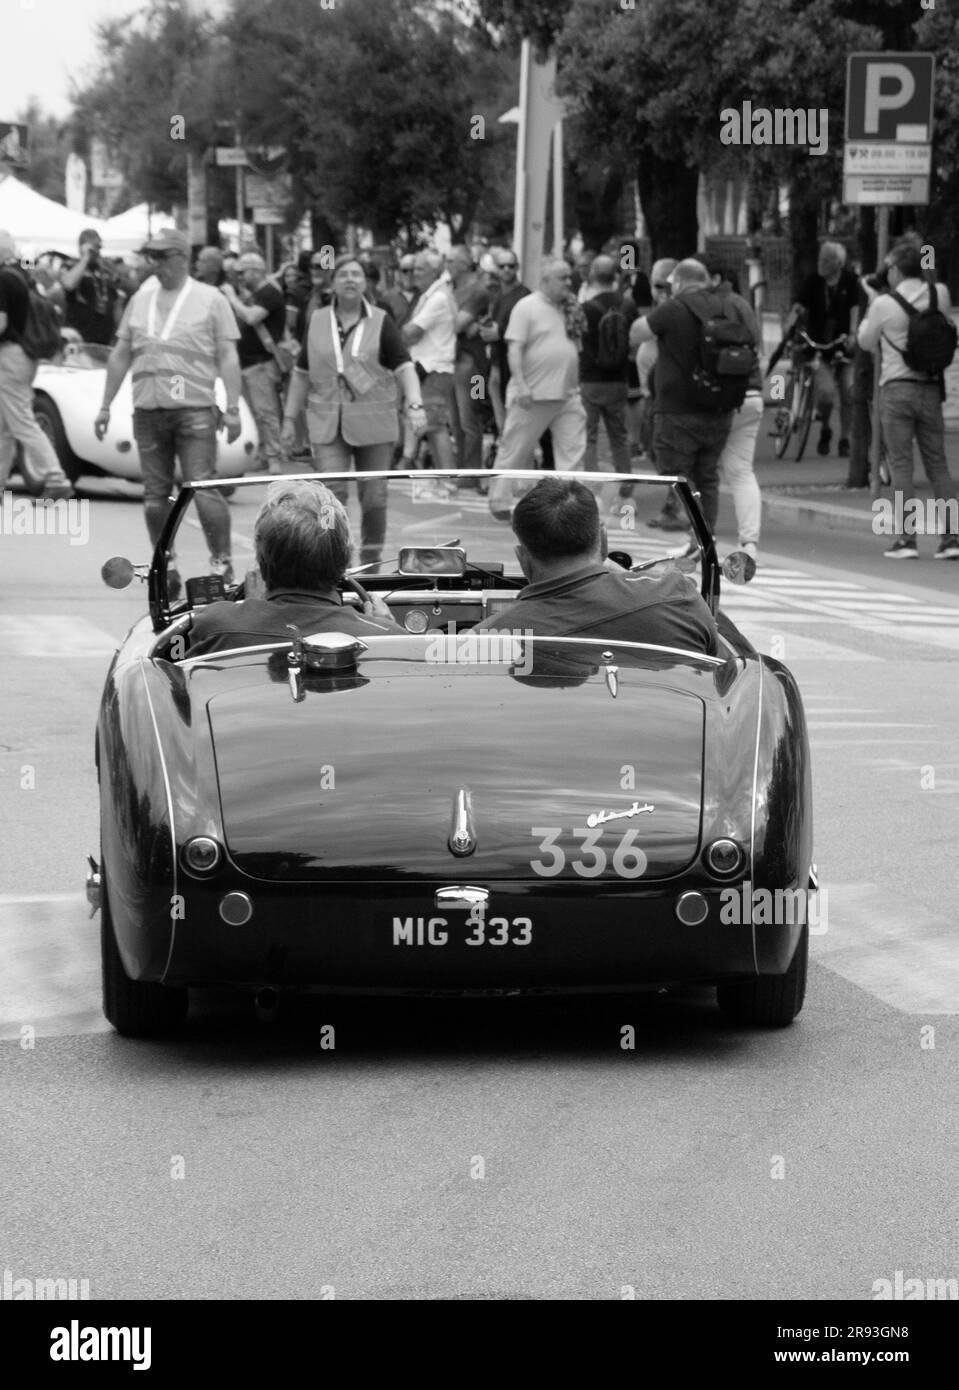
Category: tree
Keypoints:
(51, 141)
(152, 99)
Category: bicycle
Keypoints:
(794, 415)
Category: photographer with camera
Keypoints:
(92, 295)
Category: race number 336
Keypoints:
(591, 858)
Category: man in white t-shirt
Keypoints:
(543, 391)
(430, 334)
(910, 401)
(178, 335)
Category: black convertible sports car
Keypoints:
(439, 811)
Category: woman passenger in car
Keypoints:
(304, 547)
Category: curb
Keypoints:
(819, 514)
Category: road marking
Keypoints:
(26, 634)
(786, 596)
(892, 947)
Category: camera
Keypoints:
(879, 281)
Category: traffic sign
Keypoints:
(268, 217)
(14, 143)
(886, 188)
(267, 193)
(876, 158)
(233, 156)
(889, 97)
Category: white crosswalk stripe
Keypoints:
(782, 597)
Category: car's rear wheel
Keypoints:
(772, 1001)
(136, 1008)
(51, 423)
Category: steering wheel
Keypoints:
(348, 582)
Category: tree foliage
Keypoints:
(386, 108)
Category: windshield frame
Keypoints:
(162, 612)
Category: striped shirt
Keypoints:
(178, 371)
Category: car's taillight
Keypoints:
(202, 855)
(724, 858)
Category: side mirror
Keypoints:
(117, 573)
(738, 567)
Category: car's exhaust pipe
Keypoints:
(266, 1003)
(93, 884)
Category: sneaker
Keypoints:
(948, 549)
(825, 440)
(902, 549)
(55, 490)
(844, 448)
(223, 567)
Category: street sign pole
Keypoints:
(882, 248)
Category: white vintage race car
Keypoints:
(66, 398)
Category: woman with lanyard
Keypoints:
(346, 381)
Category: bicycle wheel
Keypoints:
(804, 415)
(786, 415)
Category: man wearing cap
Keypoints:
(91, 291)
(178, 336)
(260, 311)
(18, 424)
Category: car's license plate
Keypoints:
(456, 930)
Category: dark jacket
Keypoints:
(255, 621)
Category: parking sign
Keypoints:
(889, 97)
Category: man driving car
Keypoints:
(573, 593)
(304, 546)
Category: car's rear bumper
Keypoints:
(357, 938)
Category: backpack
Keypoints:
(931, 337)
(727, 359)
(40, 337)
(612, 341)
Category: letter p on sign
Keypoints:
(889, 97)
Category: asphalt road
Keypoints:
(500, 1149)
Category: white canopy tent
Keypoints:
(38, 224)
(129, 230)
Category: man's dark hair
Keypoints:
(908, 258)
(557, 518)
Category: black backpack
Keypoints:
(40, 337)
(931, 337)
(727, 359)
(612, 340)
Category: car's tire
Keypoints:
(136, 1008)
(51, 423)
(771, 1001)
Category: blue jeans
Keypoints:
(187, 433)
(690, 444)
(606, 401)
(912, 410)
(368, 458)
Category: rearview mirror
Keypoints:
(117, 572)
(416, 559)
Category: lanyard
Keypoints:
(171, 317)
(337, 345)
